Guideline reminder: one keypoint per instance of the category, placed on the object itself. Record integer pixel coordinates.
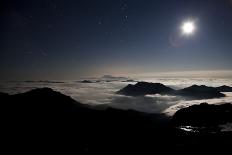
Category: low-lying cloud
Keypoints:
(103, 93)
(148, 104)
(183, 103)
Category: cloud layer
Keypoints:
(103, 93)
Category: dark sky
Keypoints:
(67, 39)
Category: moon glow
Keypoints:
(188, 27)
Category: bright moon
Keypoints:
(188, 27)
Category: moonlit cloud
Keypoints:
(183, 103)
(148, 104)
(103, 93)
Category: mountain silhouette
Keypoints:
(204, 115)
(193, 92)
(200, 92)
(46, 117)
(43, 119)
(86, 81)
(224, 89)
(145, 88)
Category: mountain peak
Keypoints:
(145, 88)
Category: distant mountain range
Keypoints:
(193, 92)
(224, 89)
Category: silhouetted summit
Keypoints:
(193, 92)
(145, 88)
(40, 102)
(224, 88)
(200, 92)
(204, 115)
(87, 81)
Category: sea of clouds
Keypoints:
(102, 91)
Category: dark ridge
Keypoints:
(200, 92)
(46, 81)
(87, 81)
(193, 92)
(203, 115)
(43, 119)
(224, 89)
(145, 88)
(43, 100)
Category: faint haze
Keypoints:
(190, 74)
(152, 75)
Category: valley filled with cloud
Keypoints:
(101, 92)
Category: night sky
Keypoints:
(67, 39)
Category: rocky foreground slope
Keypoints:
(44, 119)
